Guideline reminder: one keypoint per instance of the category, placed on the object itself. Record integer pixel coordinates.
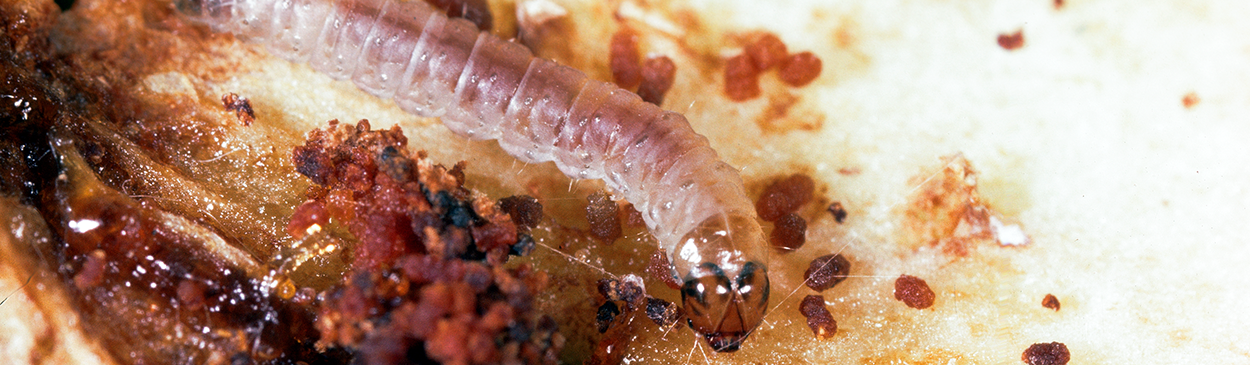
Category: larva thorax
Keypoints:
(484, 87)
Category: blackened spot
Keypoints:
(396, 165)
(607, 312)
(64, 4)
(457, 212)
(524, 244)
(838, 211)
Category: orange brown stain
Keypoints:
(783, 113)
(946, 211)
(1190, 100)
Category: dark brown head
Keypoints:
(722, 308)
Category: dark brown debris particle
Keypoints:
(826, 271)
(604, 218)
(1053, 353)
(742, 79)
(241, 107)
(526, 212)
(1058, 4)
(1011, 41)
(818, 317)
(800, 69)
(661, 269)
(1051, 302)
(607, 312)
(663, 312)
(1190, 100)
(658, 74)
(767, 51)
(789, 232)
(838, 211)
(624, 59)
(913, 292)
(785, 196)
(629, 289)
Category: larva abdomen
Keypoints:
(546, 93)
(389, 48)
(488, 84)
(296, 26)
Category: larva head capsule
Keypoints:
(725, 290)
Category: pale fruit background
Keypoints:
(1136, 205)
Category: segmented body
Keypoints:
(484, 87)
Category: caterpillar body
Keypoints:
(484, 87)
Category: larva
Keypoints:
(484, 87)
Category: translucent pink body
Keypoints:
(484, 87)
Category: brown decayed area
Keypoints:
(125, 252)
(1053, 353)
(946, 211)
(818, 317)
(1051, 302)
(429, 281)
(826, 271)
(1011, 41)
(914, 292)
